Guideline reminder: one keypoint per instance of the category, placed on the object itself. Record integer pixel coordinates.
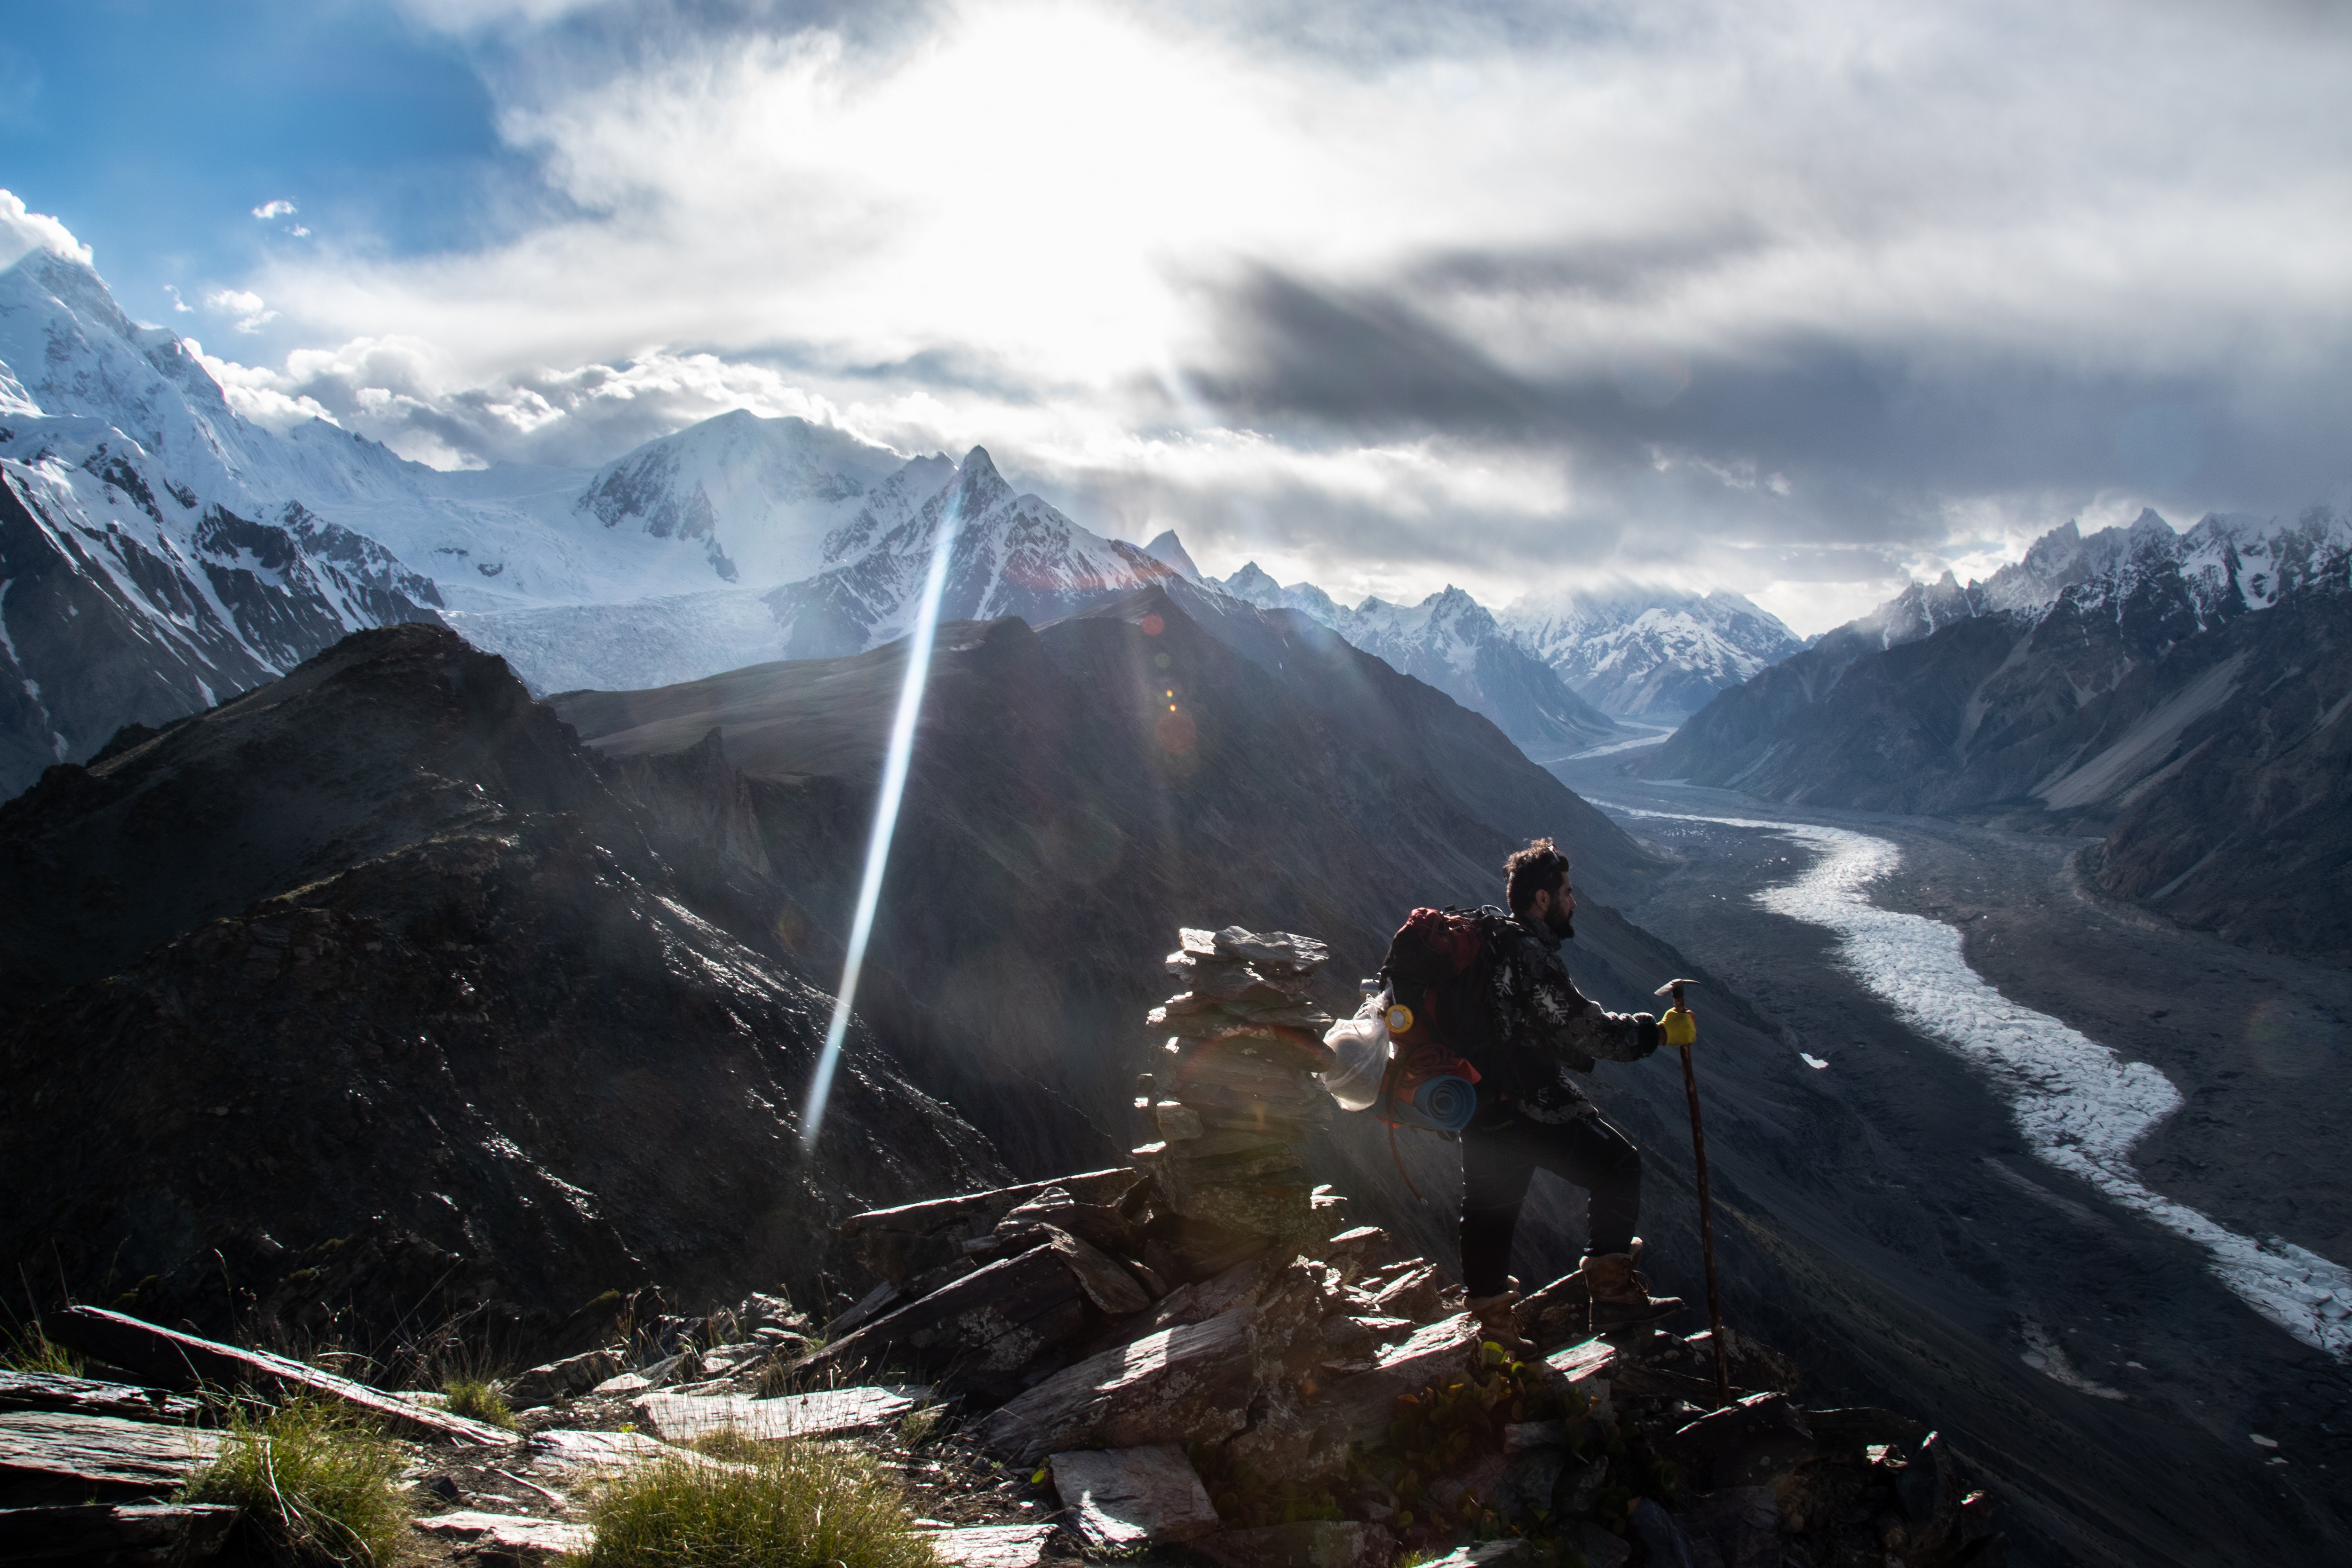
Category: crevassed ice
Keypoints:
(2081, 1107)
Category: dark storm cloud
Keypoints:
(1867, 428)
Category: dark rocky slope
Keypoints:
(1064, 813)
(372, 999)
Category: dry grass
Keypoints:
(789, 1504)
(317, 1485)
(28, 1349)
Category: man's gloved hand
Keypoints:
(1646, 1036)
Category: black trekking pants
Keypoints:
(1498, 1162)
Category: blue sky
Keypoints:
(1795, 297)
(153, 129)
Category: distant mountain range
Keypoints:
(2183, 693)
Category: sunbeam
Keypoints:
(885, 814)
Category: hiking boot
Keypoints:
(1620, 1297)
(1498, 1322)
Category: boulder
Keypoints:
(1191, 1382)
(1104, 1279)
(1742, 1445)
(1099, 1225)
(1288, 1441)
(1322, 1543)
(1601, 1549)
(1588, 1367)
(1930, 1489)
(1413, 1294)
(1738, 1527)
(557, 1379)
(986, 1326)
(1359, 1251)
(1365, 1404)
(1754, 1364)
(1529, 1481)
(1124, 1498)
(1664, 1544)
(97, 1532)
(900, 1243)
(1558, 1314)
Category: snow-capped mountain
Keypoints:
(2184, 691)
(1014, 555)
(759, 495)
(1454, 643)
(1169, 550)
(1649, 653)
(148, 565)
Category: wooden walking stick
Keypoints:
(1680, 1030)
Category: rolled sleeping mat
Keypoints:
(1442, 1104)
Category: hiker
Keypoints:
(1531, 1115)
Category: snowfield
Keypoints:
(2081, 1107)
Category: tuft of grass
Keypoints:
(919, 1427)
(789, 1504)
(478, 1400)
(316, 1486)
(31, 1350)
(731, 1445)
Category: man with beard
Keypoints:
(1531, 1116)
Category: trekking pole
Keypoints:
(1680, 1030)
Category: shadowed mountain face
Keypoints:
(373, 996)
(1079, 791)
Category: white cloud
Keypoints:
(179, 306)
(1790, 289)
(279, 209)
(252, 313)
(22, 233)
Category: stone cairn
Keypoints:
(1235, 1101)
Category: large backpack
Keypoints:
(1440, 969)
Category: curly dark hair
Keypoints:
(1541, 867)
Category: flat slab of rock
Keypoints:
(679, 1419)
(1123, 1497)
(89, 1396)
(986, 1325)
(52, 1456)
(569, 1451)
(991, 1545)
(1191, 1383)
(183, 1360)
(99, 1533)
(1323, 1543)
(509, 1532)
(1365, 1404)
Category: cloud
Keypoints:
(1770, 296)
(252, 313)
(22, 233)
(179, 306)
(279, 209)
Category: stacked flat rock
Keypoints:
(1236, 1099)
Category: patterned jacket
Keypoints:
(1547, 1027)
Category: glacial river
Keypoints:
(2081, 1107)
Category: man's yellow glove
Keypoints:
(1679, 1027)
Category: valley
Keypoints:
(2078, 1313)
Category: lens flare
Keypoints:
(885, 817)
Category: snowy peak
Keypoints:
(1014, 554)
(1649, 653)
(758, 496)
(1450, 641)
(1169, 550)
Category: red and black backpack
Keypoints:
(1440, 970)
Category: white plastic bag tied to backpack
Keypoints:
(1361, 1044)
